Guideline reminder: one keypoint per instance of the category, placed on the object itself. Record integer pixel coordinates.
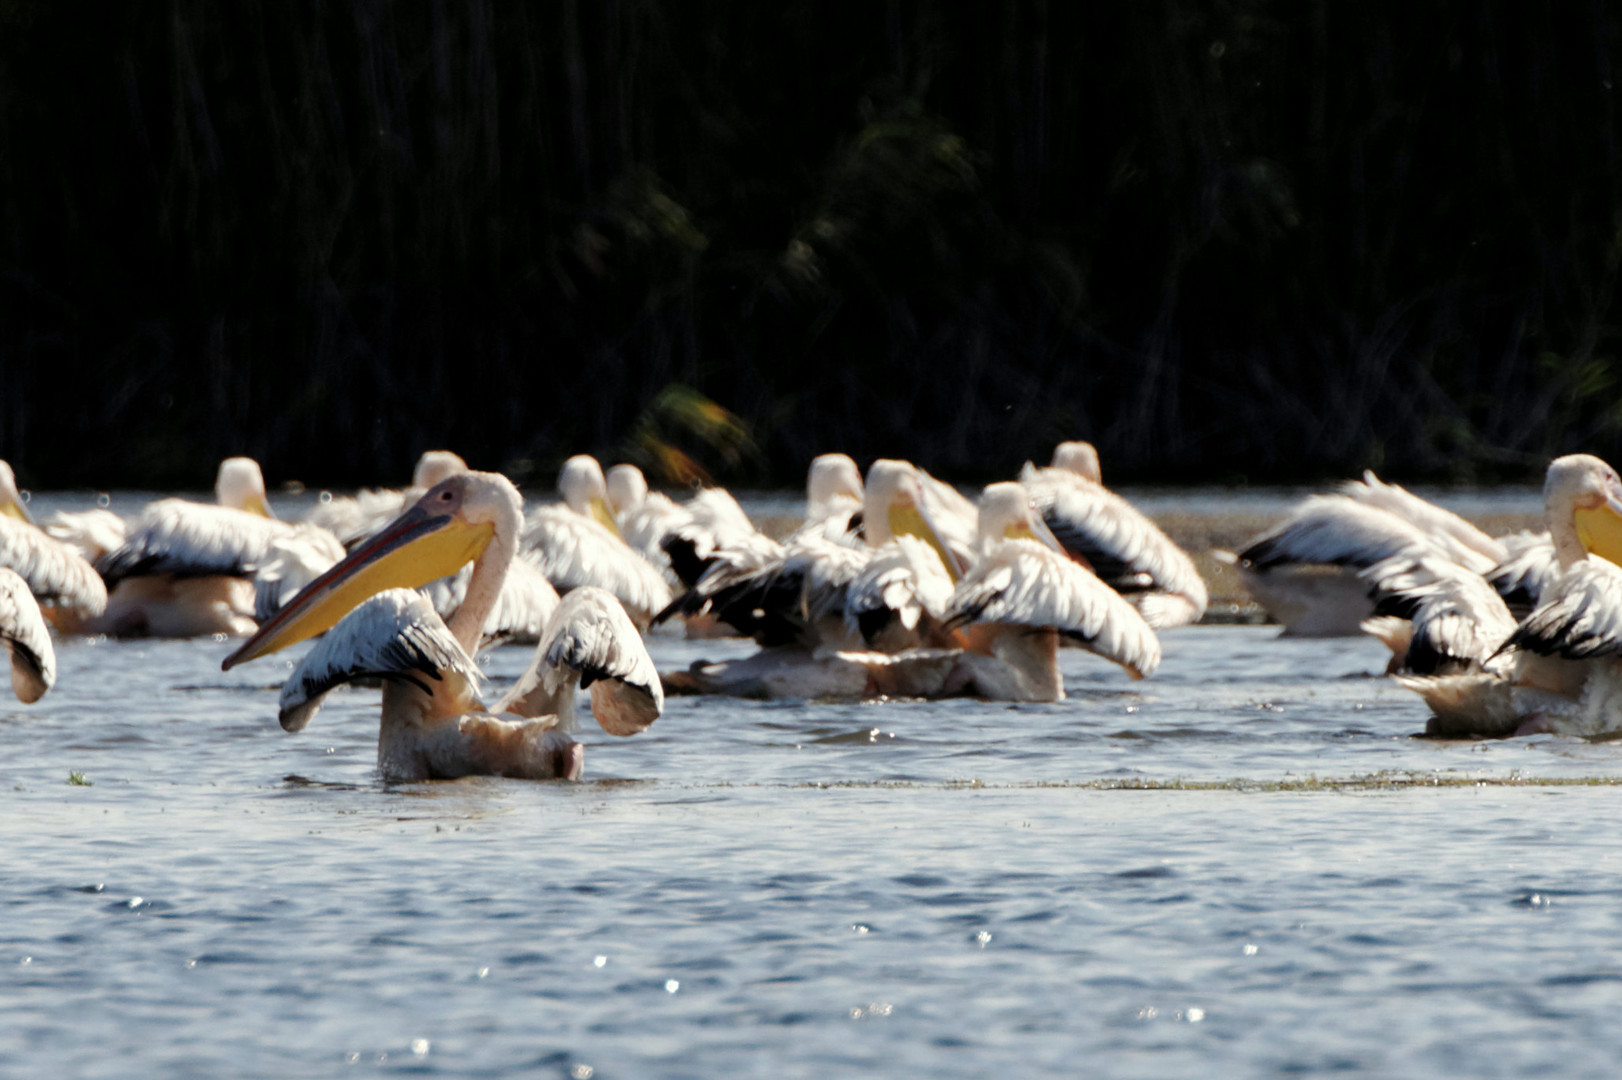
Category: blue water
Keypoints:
(805, 889)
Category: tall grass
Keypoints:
(1221, 238)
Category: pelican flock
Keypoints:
(894, 585)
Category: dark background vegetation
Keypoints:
(1269, 239)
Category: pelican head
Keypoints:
(451, 525)
(241, 486)
(831, 476)
(585, 491)
(436, 465)
(11, 500)
(894, 506)
(1586, 492)
(1007, 513)
(627, 487)
(1080, 458)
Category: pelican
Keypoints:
(433, 725)
(1124, 548)
(353, 518)
(833, 495)
(1305, 570)
(22, 629)
(1560, 669)
(824, 612)
(66, 584)
(578, 544)
(187, 568)
(1023, 596)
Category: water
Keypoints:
(1245, 866)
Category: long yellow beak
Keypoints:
(603, 515)
(1600, 529)
(16, 510)
(1034, 528)
(418, 547)
(256, 504)
(911, 519)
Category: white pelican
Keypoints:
(1127, 551)
(433, 725)
(352, 518)
(22, 630)
(1023, 595)
(818, 617)
(58, 577)
(187, 568)
(833, 495)
(578, 544)
(90, 533)
(1305, 570)
(1559, 670)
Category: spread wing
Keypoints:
(902, 581)
(1582, 620)
(591, 642)
(1127, 551)
(395, 635)
(22, 628)
(1335, 530)
(54, 573)
(1023, 583)
(1457, 538)
(1458, 620)
(190, 539)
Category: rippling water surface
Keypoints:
(1149, 879)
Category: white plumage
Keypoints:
(23, 631)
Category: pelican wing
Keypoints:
(953, 516)
(1335, 530)
(353, 518)
(572, 551)
(591, 642)
(395, 635)
(22, 628)
(1529, 570)
(1022, 583)
(650, 521)
(54, 573)
(292, 561)
(190, 539)
(1127, 551)
(1457, 620)
(1460, 540)
(90, 533)
(1582, 620)
(901, 582)
(522, 608)
(715, 523)
(776, 597)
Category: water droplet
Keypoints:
(861, 928)
(1195, 1015)
(983, 938)
(219, 639)
(103, 500)
(483, 973)
(419, 1047)
(1148, 1013)
(581, 1072)
(191, 964)
(325, 497)
(599, 961)
(351, 1058)
(25, 961)
(1251, 950)
(134, 902)
(1218, 49)
(1130, 709)
(672, 985)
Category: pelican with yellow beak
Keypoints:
(433, 724)
(578, 544)
(1023, 596)
(1560, 669)
(187, 569)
